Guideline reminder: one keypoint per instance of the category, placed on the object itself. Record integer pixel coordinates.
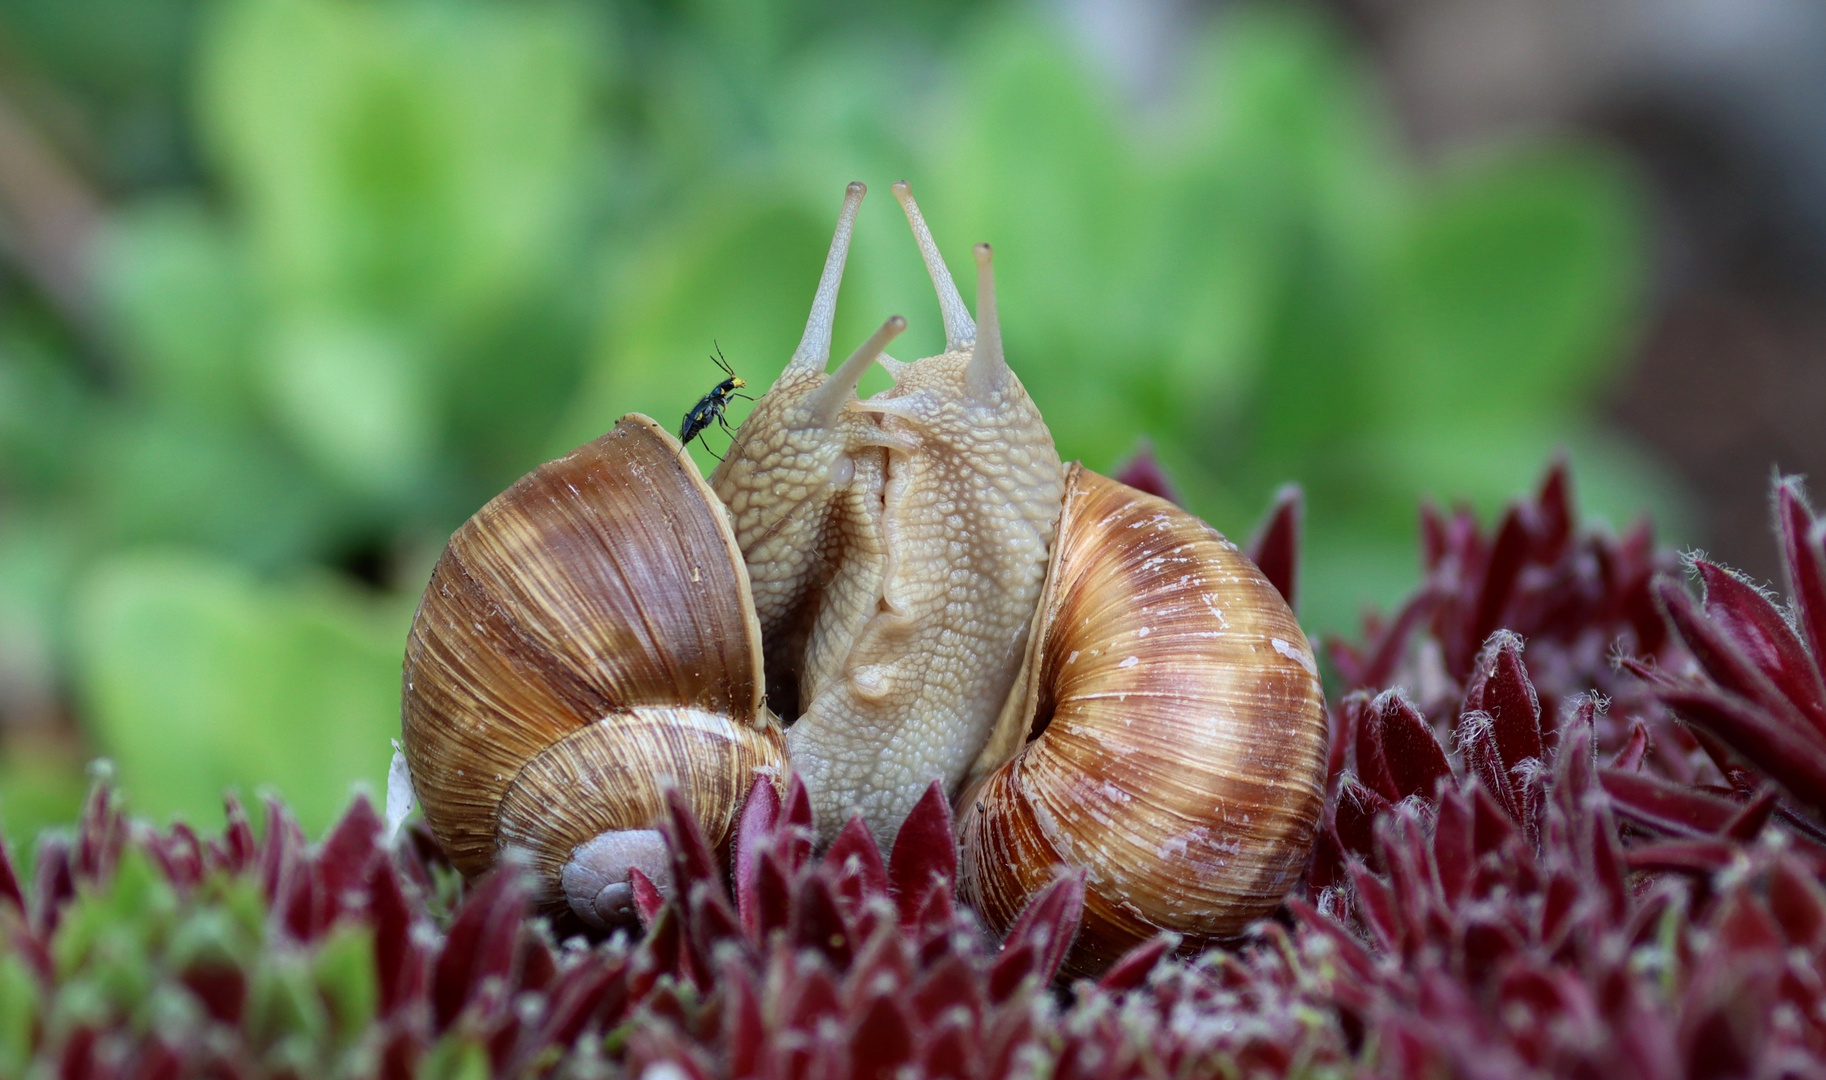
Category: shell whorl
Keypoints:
(599, 599)
(1180, 749)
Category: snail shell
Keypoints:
(587, 637)
(1175, 736)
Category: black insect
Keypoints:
(709, 408)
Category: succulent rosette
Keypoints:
(1513, 878)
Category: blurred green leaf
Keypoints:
(197, 678)
(1510, 290)
(413, 159)
(344, 966)
(358, 400)
(45, 413)
(175, 286)
(20, 1008)
(155, 475)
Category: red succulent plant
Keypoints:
(1570, 842)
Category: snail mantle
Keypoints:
(924, 592)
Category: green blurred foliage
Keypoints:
(366, 261)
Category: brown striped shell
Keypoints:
(587, 637)
(1174, 734)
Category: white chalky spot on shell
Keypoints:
(1130, 662)
(1298, 656)
(400, 796)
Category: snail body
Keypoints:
(912, 580)
(948, 512)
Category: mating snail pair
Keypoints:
(924, 592)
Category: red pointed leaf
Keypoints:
(882, 1040)
(1373, 769)
(818, 924)
(1378, 906)
(179, 853)
(1507, 554)
(1729, 666)
(1454, 845)
(1357, 810)
(1393, 643)
(692, 861)
(1745, 924)
(53, 885)
(925, 854)
(1433, 543)
(1763, 637)
(817, 998)
(1041, 936)
(1413, 756)
(586, 994)
(797, 817)
(949, 1051)
(1635, 750)
(1664, 806)
(1748, 823)
(1804, 560)
(744, 1026)
(711, 922)
(481, 943)
(342, 861)
(1783, 750)
(237, 849)
(100, 834)
(1797, 903)
(1345, 947)
(1491, 825)
(10, 891)
(399, 960)
(949, 984)
(760, 815)
(280, 850)
(854, 863)
(1143, 473)
(648, 900)
(1499, 685)
(1553, 512)
(1133, 969)
(1477, 744)
(1010, 1032)
(1275, 548)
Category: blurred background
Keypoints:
(289, 288)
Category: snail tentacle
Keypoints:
(960, 330)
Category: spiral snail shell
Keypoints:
(924, 592)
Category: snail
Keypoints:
(921, 590)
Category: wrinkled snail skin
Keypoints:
(802, 479)
(907, 660)
(1180, 760)
(550, 692)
